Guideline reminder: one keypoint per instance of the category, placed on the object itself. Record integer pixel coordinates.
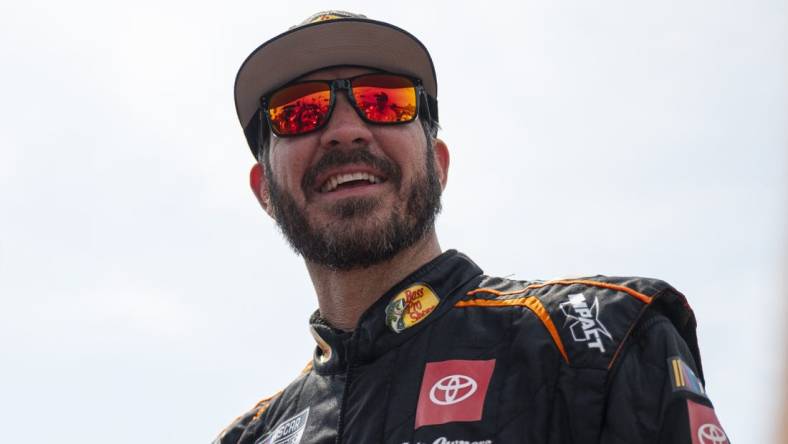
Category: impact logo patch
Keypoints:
(583, 321)
(410, 307)
(683, 378)
(704, 425)
(288, 432)
(453, 391)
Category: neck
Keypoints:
(343, 296)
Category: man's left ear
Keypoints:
(260, 187)
(441, 153)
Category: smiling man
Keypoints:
(414, 344)
(358, 188)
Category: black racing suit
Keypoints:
(452, 356)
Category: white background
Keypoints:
(145, 297)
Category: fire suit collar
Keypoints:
(445, 275)
(330, 353)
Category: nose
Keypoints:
(345, 128)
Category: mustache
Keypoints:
(359, 156)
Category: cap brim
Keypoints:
(347, 41)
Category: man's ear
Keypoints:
(441, 153)
(259, 186)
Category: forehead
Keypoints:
(336, 72)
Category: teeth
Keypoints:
(334, 181)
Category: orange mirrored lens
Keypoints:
(299, 108)
(385, 98)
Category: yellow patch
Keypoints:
(410, 307)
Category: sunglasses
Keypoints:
(379, 98)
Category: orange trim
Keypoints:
(533, 304)
(267, 401)
(263, 405)
(496, 292)
(637, 295)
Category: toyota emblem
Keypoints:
(711, 434)
(452, 389)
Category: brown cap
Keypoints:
(329, 38)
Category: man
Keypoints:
(416, 345)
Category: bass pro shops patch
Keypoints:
(410, 307)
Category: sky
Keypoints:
(145, 296)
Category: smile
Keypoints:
(347, 180)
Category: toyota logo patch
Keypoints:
(453, 391)
(711, 434)
(704, 424)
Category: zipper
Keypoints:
(348, 380)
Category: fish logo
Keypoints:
(410, 306)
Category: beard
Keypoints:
(355, 238)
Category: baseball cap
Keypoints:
(325, 39)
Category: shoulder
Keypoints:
(232, 433)
(590, 319)
(254, 419)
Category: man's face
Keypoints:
(353, 194)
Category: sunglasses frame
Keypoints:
(334, 86)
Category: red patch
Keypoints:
(704, 425)
(453, 391)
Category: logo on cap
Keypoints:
(410, 307)
(330, 15)
(453, 391)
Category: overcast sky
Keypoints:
(144, 296)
